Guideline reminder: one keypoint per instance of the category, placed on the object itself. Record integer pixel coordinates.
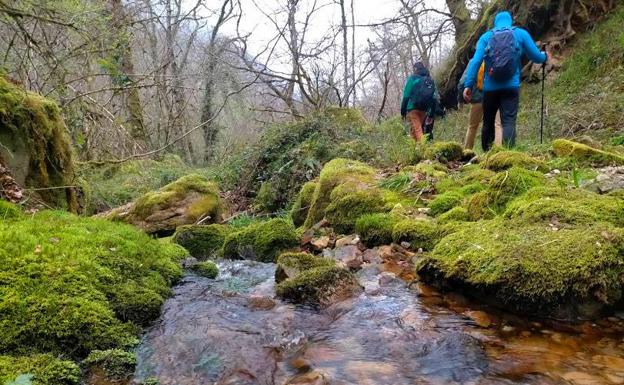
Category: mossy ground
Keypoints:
(72, 285)
(261, 241)
(202, 241)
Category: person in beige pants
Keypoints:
(475, 118)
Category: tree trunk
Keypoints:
(461, 18)
(345, 54)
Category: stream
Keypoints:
(233, 331)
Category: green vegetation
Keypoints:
(261, 241)
(445, 151)
(421, 234)
(73, 285)
(300, 208)
(318, 286)
(206, 269)
(40, 150)
(503, 160)
(38, 369)
(9, 210)
(376, 229)
(202, 241)
(291, 264)
(117, 364)
(583, 153)
(452, 198)
(531, 267)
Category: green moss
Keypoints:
(566, 206)
(266, 198)
(33, 128)
(38, 369)
(445, 151)
(71, 285)
(300, 208)
(502, 188)
(432, 169)
(346, 208)
(376, 229)
(503, 160)
(117, 364)
(261, 241)
(421, 234)
(206, 269)
(584, 153)
(317, 286)
(291, 264)
(456, 214)
(335, 173)
(450, 199)
(209, 204)
(9, 211)
(201, 241)
(530, 266)
(358, 149)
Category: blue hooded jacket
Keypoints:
(527, 47)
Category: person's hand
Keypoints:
(467, 95)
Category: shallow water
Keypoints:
(232, 331)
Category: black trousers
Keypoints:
(507, 102)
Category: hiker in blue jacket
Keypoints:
(502, 49)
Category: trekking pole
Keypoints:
(542, 116)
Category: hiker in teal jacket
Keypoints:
(500, 94)
(419, 100)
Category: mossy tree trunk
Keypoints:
(460, 17)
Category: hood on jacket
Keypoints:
(503, 20)
(420, 69)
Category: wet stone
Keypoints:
(321, 243)
(481, 318)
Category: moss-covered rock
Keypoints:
(71, 285)
(420, 234)
(302, 204)
(202, 241)
(291, 264)
(335, 173)
(38, 369)
(562, 206)
(469, 174)
(320, 286)
(346, 207)
(262, 241)
(450, 199)
(376, 229)
(266, 199)
(117, 364)
(36, 146)
(445, 151)
(456, 214)
(182, 202)
(584, 153)
(9, 211)
(506, 159)
(428, 168)
(532, 268)
(206, 269)
(501, 189)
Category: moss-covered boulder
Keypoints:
(506, 159)
(291, 264)
(420, 234)
(319, 286)
(428, 168)
(376, 229)
(206, 269)
(336, 173)
(456, 214)
(116, 364)
(202, 241)
(35, 144)
(299, 210)
(501, 189)
(583, 153)
(445, 151)
(72, 285)
(347, 205)
(183, 202)
(531, 268)
(560, 206)
(262, 241)
(38, 369)
(453, 198)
